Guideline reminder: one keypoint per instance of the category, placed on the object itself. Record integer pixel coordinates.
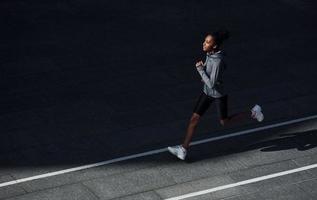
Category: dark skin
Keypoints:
(209, 45)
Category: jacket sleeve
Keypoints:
(210, 79)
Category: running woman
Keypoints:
(211, 72)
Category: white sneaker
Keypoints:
(257, 113)
(178, 151)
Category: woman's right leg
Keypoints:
(200, 108)
(190, 129)
(202, 104)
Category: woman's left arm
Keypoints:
(212, 78)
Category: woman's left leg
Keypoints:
(222, 105)
(235, 118)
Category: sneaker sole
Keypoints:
(172, 152)
(261, 118)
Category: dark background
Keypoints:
(84, 81)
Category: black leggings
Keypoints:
(203, 102)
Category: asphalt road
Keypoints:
(88, 81)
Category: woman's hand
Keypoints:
(199, 64)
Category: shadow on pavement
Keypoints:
(264, 142)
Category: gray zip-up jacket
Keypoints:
(211, 73)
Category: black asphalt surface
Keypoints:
(88, 81)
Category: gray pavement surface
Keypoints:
(75, 79)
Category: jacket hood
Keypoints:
(218, 54)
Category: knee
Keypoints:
(223, 122)
(194, 119)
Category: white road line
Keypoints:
(157, 151)
(253, 180)
(254, 130)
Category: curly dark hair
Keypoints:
(220, 36)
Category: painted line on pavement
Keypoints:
(253, 180)
(152, 152)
